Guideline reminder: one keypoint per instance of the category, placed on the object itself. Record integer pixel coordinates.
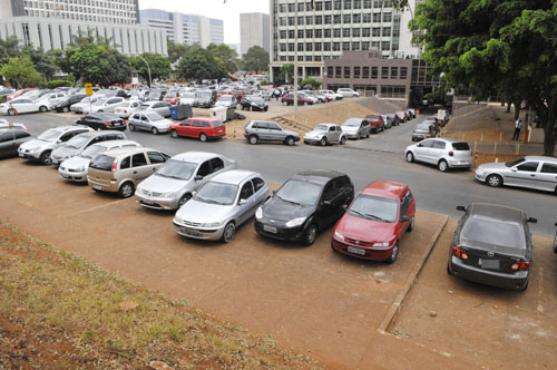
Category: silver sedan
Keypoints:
(221, 206)
(149, 121)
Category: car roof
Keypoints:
(540, 158)
(497, 211)
(234, 177)
(195, 157)
(116, 143)
(320, 177)
(326, 124)
(205, 119)
(386, 188)
(124, 152)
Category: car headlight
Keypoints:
(212, 224)
(339, 236)
(383, 245)
(296, 222)
(259, 213)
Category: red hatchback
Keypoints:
(375, 222)
(199, 128)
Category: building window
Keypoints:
(394, 72)
(365, 72)
(357, 72)
(374, 72)
(346, 72)
(338, 72)
(403, 73)
(346, 46)
(356, 32)
(336, 33)
(384, 72)
(346, 32)
(318, 46)
(330, 71)
(355, 46)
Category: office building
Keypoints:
(185, 28)
(255, 30)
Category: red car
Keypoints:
(288, 99)
(375, 222)
(376, 123)
(201, 128)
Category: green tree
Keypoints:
(313, 82)
(159, 66)
(256, 59)
(9, 48)
(45, 63)
(176, 51)
(287, 72)
(199, 64)
(21, 73)
(225, 55)
(493, 47)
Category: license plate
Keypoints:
(97, 187)
(489, 264)
(270, 229)
(359, 251)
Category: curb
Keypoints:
(394, 310)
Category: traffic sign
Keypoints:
(89, 89)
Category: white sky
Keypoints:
(229, 12)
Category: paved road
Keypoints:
(377, 158)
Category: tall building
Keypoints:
(185, 28)
(255, 30)
(312, 32)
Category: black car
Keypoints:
(256, 103)
(10, 140)
(64, 106)
(305, 205)
(102, 121)
(492, 246)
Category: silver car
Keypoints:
(160, 107)
(443, 153)
(356, 128)
(268, 131)
(539, 173)
(325, 134)
(174, 183)
(75, 169)
(79, 143)
(39, 149)
(221, 206)
(149, 121)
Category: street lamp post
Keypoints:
(148, 68)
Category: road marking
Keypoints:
(106, 205)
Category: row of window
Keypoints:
(368, 72)
(334, 5)
(339, 46)
(339, 19)
(338, 32)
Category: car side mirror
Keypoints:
(532, 220)
(461, 208)
(420, 145)
(514, 170)
(198, 178)
(242, 202)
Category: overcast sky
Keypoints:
(229, 12)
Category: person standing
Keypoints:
(517, 128)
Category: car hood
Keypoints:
(350, 129)
(165, 123)
(277, 209)
(199, 212)
(76, 162)
(362, 229)
(314, 134)
(65, 151)
(492, 166)
(35, 144)
(421, 131)
(163, 185)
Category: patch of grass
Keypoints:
(59, 311)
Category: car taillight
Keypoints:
(460, 253)
(114, 166)
(107, 123)
(451, 153)
(521, 266)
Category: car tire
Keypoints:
(411, 226)
(342, 140)
(173, 134)
(45, 158)
(131, 126)
(203, 138)
(12, 112)
(495, 181)
(449, 271)
(290, 141)
(266, 109)
(43, 109)
(323, 141)
(524, 287)
(229, 232)
(410, 157)
(394, 255)
(253, 139)
(126, 190)
(154, 131)
(310, 235)
(443, 166)
(184, 200)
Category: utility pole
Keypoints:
(148, 68)
(296, 59)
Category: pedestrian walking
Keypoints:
(517, 128)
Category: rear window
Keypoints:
(217, 123)
(102, 162)
(489, 231)
(461, 146)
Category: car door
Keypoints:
(6, 143)
(217, 165)
(144, 123)
(275, 132)
(141, 168)
(203, 174)
(405, 215)
(421, 151)
(261, 190)
(135, 120)
(156, 160)
(325, 214)
(436, 151)
(548, 176)
(524, 175)
(245, 202)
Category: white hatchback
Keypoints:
(443, 153)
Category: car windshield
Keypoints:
(99, 102)
(299, 192)
(321, 128)
(92, 151)
(353, 123)
(102, 162)
(50, 135)
(257, 99)
(461, 146)
(486, 230)
(179, 170)
(217, 193)
(154, 117)
(375, 208)
(515, 162)
(78, 141)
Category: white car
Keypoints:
(84, 105)
(187, 97)
(19, 106)
(49, 101)
(443, 153)
(4, 124)
(108, 105)
(347, 92)
(331, 95)
(127, 109)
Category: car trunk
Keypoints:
(100, 170)
(492, 257)
(461, 151)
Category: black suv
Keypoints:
(102, 121)
(64, 105)
(10, 140)
(305, 205)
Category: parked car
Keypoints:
(539, 173)
(221, 206)
(254, 103)
(159, 107)
(376, 123)
(11, 140)
(49, 101)
(86, 103)
(149, 121)
(424, 130)
(395, 119)
(347, 92)
(228, 101)
(127, 108)
(76, 145)
(402, 116)
(205, 98)
(268, 131)
(5, 124)
(102, 121)
(306, 204)
(75, 169)
(108, 105)
(177, 180)
(19, 106)
(121, 170)
(199, 128)
(325, 134)
(187, 97)
(330, 94)
(411, 113)
(172, 96)
(443, 153)
(493, 246)
(356, 128)
(375, 222)
(65, 104)
(288, 99)
(39, 149)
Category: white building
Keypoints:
(185, 28)
(255, 30)
(52, 33)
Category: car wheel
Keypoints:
(310, 235)
(323, 141)
(449, 271)
(229, 232)
(409, 157)
(443, 166)
(45, 158)
(42, 109)
(524, 287)
(155, 131)
(131, 126)
(253, 140)
(494, 181)
(12, 112)
(184, 200)
(411, 225)
(203, 138)
(343, 140)
(290, 141)
(266, 109)
(394, 255)
(126, 190)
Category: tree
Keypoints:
(21, 73)
(9, 48)
(310, 81)
(158, 65)
(176, 51)
(225, 55)
(256, 59)
(199, 64)
(287, 72)
(45, 63)
(507, 48)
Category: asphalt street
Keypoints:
(380, 157)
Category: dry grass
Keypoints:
(58, 311)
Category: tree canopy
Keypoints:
(158, 65)
(21, 72)
(225, 55)
(199, 64)
(256, 59)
